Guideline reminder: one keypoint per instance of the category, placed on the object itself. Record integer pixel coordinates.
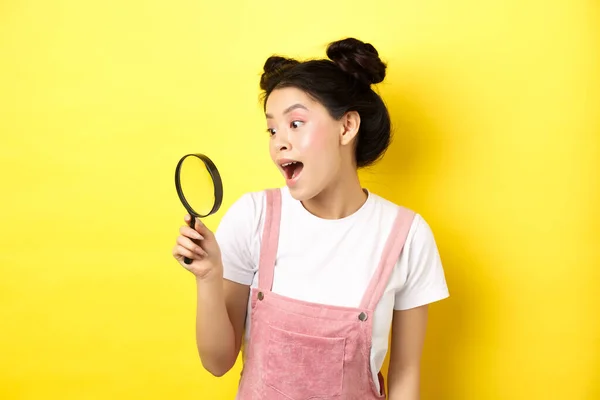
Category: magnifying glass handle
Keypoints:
(192, 225)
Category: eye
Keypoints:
(296, 124)
(271, 131)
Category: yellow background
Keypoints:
(495, 106)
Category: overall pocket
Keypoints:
(303, 367)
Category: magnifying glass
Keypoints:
(199, 187)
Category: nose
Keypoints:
(281, 142)
(282, 147)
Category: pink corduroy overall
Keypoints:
(300, 350)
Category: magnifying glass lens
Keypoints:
(197, 185)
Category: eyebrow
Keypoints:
(290, 109)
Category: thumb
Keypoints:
(203, 229)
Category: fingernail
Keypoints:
(187, 217)
(198, 236)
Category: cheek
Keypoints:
(273, 149)
(318, 141)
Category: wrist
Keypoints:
(210, 283)
(209, 280)
(209, 275)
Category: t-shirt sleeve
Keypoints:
(425, 280)
(235, 237)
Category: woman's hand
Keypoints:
(199, 245)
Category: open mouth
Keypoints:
(292, 169)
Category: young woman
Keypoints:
(311, 278)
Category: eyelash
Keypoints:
(272, 131)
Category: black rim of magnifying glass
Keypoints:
(216, 178)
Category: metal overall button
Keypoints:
(261, 295)
(362, 316)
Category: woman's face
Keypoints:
(305, 143)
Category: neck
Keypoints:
(339, 200)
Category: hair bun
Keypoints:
(273, 68)
(358, 59)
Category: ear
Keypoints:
(349, 128)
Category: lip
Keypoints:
(281, 161)
(289, 181)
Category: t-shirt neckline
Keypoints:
(307, 214)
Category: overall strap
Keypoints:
(270, 240)
(389, 258)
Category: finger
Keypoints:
(190, 245)
(182, 251)
(203, 229)
(191, 233)
(187, 218)
(175, 253)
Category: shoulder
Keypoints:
(419, 274)
(389, 210)
(248, 202)
(420, 236)
(238, 235)
(247, 212)
(244, 212)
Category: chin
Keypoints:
(298, 194)
(301, 193)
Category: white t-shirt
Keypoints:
(332, 261)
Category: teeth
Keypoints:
(290, 163)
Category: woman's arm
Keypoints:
(220, 318)
(408, 335)
(223, 297)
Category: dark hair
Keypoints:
(342, 83)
